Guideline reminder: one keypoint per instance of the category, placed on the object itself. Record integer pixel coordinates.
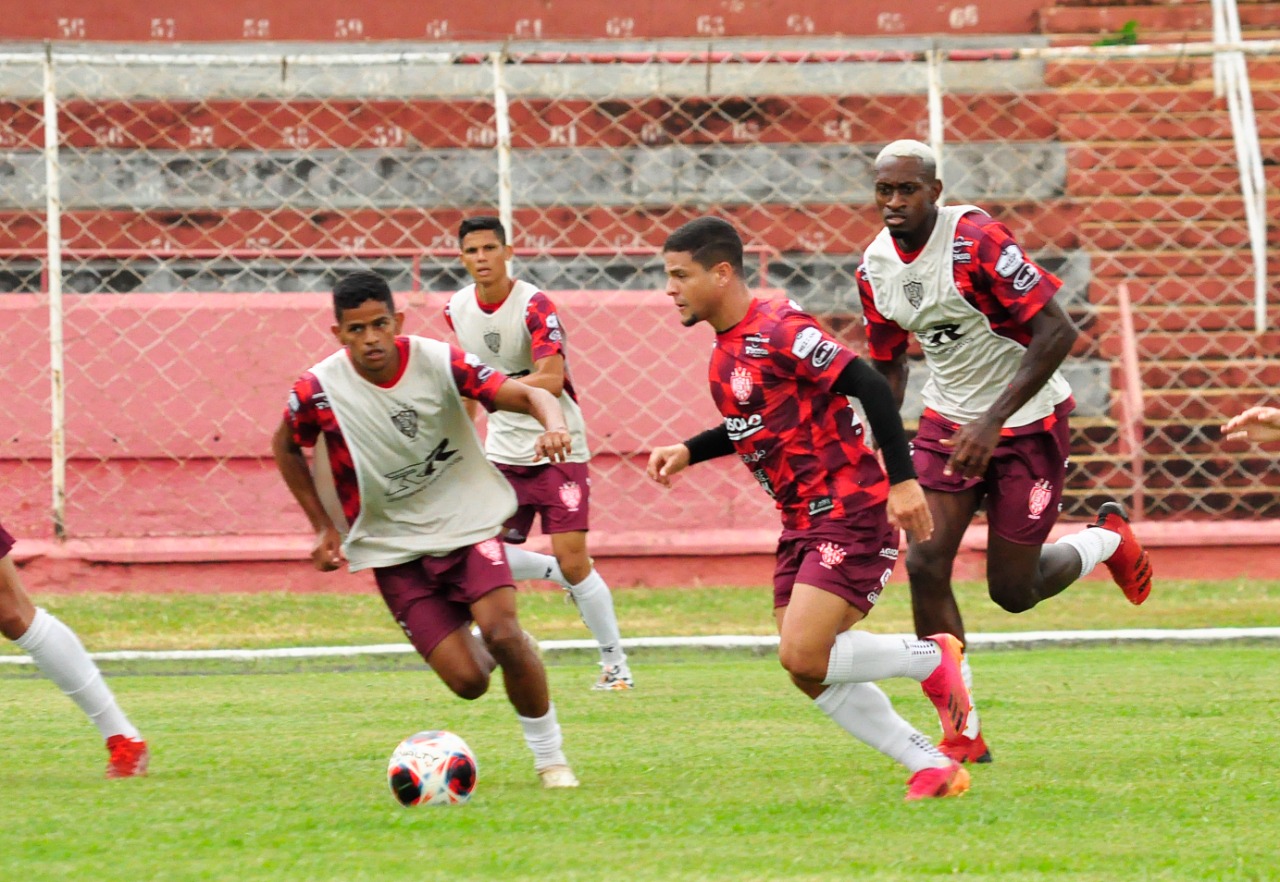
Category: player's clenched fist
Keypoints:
(665, 462)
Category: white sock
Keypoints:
(531, 565)
(595, 605)
(971, 726)
(542, 734)
(859, 657)
(1093, 544)
(864, 711)
(61, 657)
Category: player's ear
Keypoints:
(936, 187)
(336, 330)
(399, 322)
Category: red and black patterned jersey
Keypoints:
(991, 273)
(309, 415)
(771, 377)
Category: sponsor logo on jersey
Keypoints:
(889, 552)
(553, 321)
(743, 427)
(832, 555)
(1038, 500)
(824, 354)
(756, 345)
(411, 479)
(913, 290)
(483, 371)
(805, 342)
(960, 252)
(821, 505)
(1026, 279)
(493, 340)
(294, 403)
(320, 400)
(741, 384)
(571, 495)
(763, 478)
(406, 421)
(491, 549)
(753, 457)
(555, 336)
(1010, 260)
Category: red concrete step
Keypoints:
(424, 123)
(835, 228)
(1105, 208)
(1173, 154)
(1223, 263)
(1207, 374)
(1160, 438)
(1177, 181)
(1157, 71)
(1165, 17)
(1191, 320)
(1211, 125)
(1168, 234)
(1160, 345)
(1199, 404)
(1176, 293)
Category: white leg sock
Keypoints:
(864, 711)
(531, 565)
(595, 605)
(61, 657)
(859, 657)
(971, 727)
(542, 734)
(1094, 545)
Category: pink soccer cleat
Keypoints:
(945, 686)
(952, 780)
(128, 757)
(1130, 566)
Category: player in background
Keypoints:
(780, 384)
(994, 427)
(515, 327)
(405, 480)
(61, 657)
(1257, 424)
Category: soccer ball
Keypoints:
(432, 768)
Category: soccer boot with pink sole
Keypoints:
(128, 757)
(952, 780)
(945, 686)
(964, 749)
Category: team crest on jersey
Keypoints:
(832, 555)
(914, 291)
(407, 422)
(1038, 500)
(491, 549)
(741, 384)
(493, 340)
(571, 495)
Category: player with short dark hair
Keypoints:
(994, 427)
(780, 383)
(515, 327)
(402, 487)
(61, 657)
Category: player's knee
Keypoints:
(1012, 598)
(802, 663)
(12, 623)
(575, 567)
(927, 570)
(506, 643)
(470, 685)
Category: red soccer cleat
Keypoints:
(129, 757)
(1130, 566)
(964, 749)
(945, 686)
(952, 780)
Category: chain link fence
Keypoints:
(206, 201)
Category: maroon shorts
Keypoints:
(6, 542)
(431, 597)
(559, 491)
(851, 558)
(1022, 487)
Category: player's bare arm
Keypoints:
(547, 373)
(896, 372)
(553, 444)
(326, 554)
(1257, 424)
(1052, 336)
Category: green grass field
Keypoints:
(1112, 763)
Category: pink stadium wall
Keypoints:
(135, 20)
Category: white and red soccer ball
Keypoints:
(432, 768)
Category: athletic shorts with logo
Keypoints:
(850, 557)
(431, 597)
(1022, 487)
(558, 491)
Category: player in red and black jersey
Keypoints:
(780, 384)
(994, 428)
